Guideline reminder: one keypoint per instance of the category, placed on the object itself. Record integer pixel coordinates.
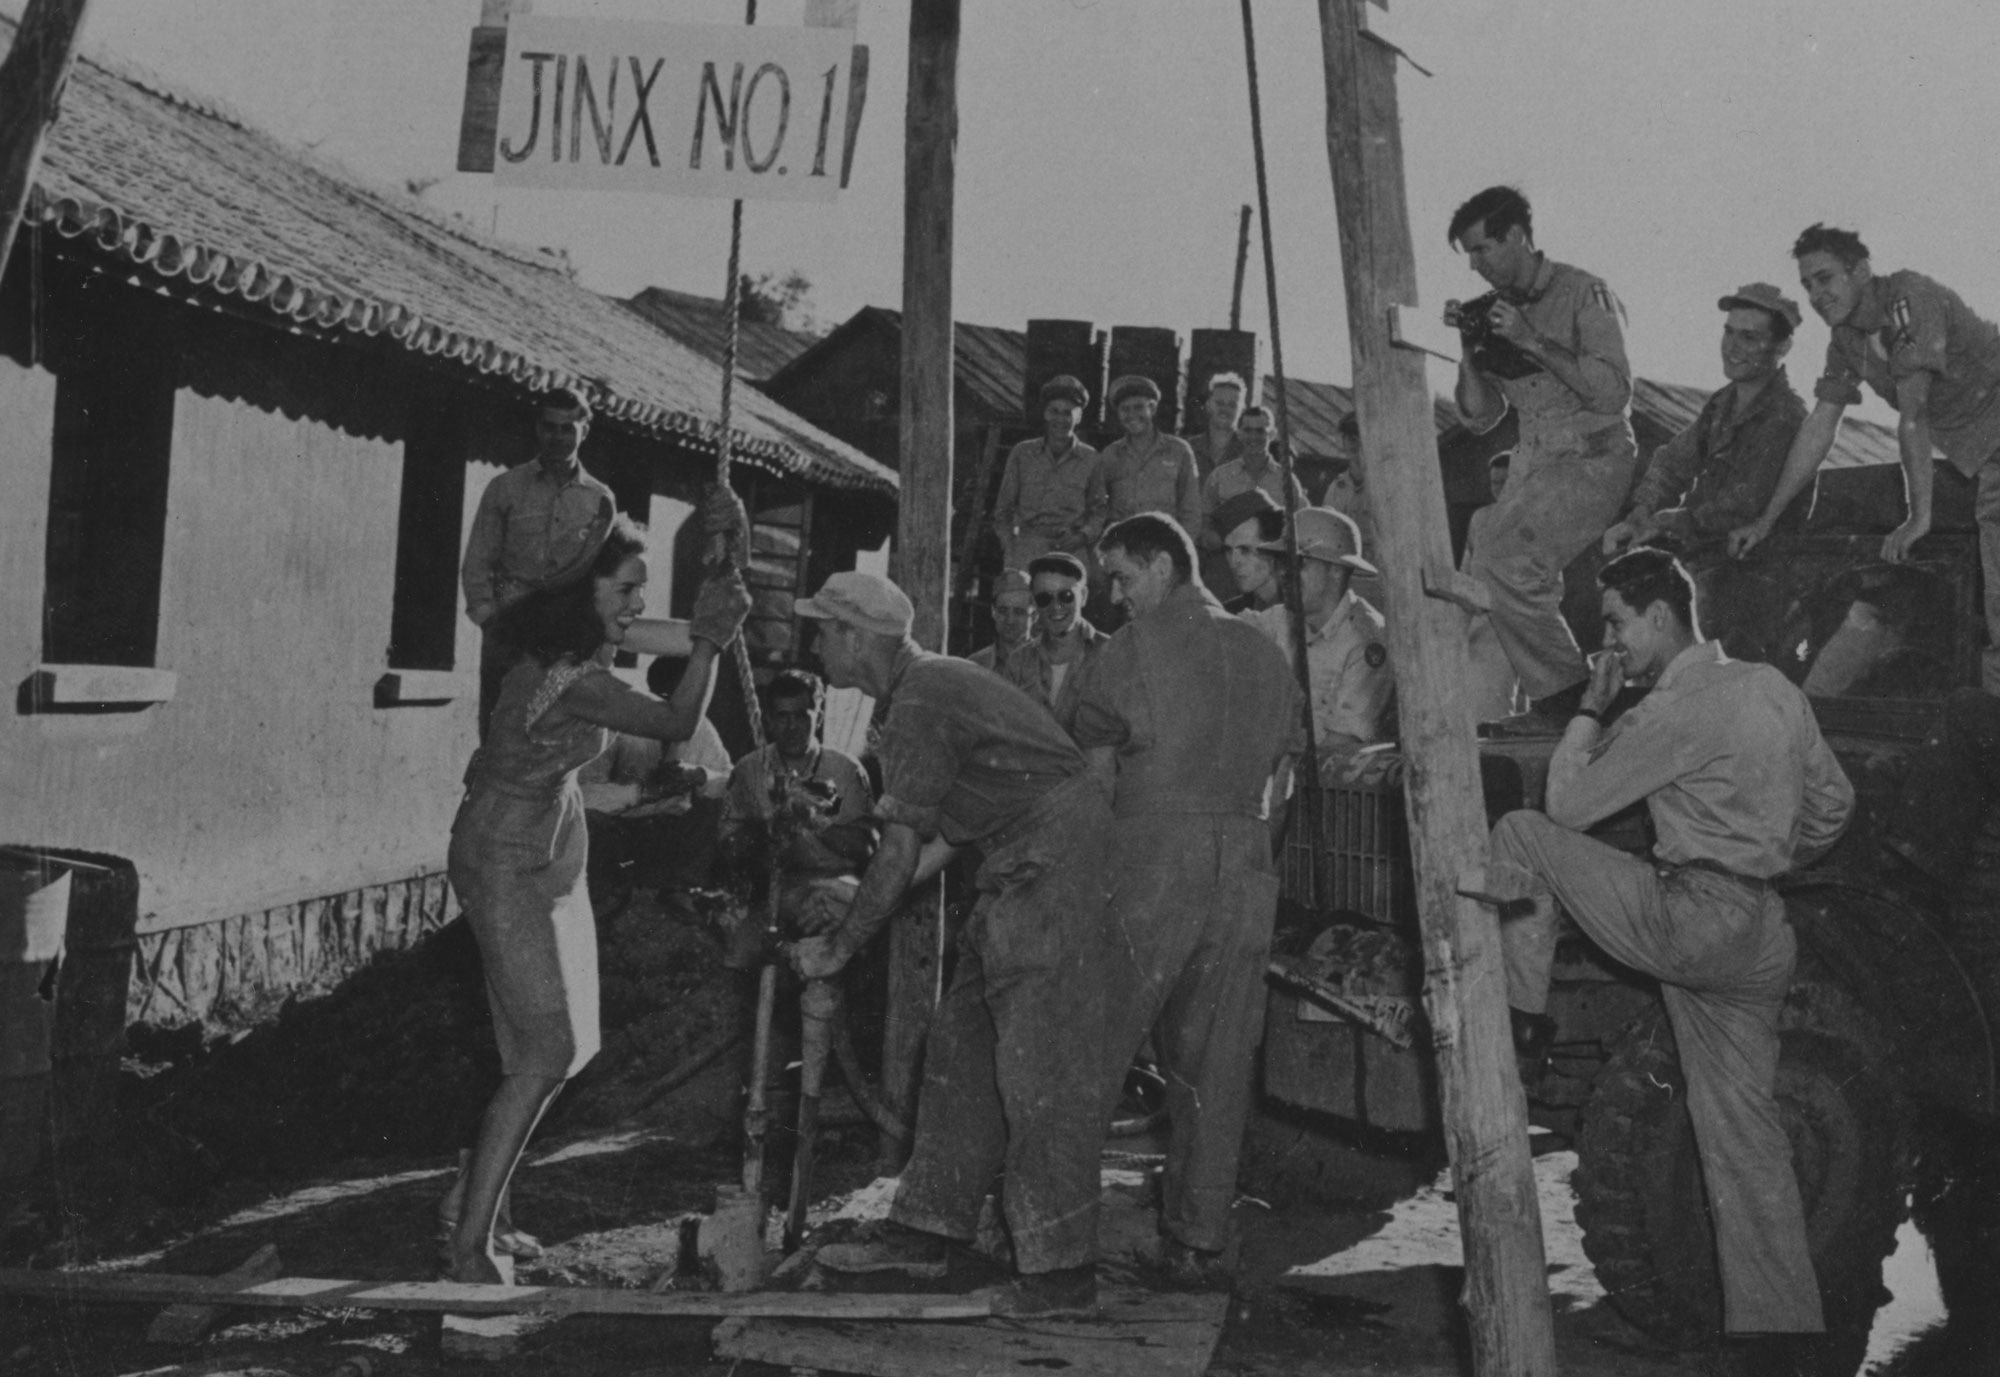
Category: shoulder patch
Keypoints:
(1901, 335)
(1601, 294)
(1377, 655)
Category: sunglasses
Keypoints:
(1065, 596)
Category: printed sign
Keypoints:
(691, 110)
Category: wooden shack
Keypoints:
(251, 404)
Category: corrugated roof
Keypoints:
(702, 324)
(182, 188)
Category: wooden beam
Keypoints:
(297, 1293)
(922, 557)
(31, 86)
(189, 1324)
(1506, 1289)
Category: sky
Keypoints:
(1104, 149)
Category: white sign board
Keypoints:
(689, 109)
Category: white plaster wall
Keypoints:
(271, 776)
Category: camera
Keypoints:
(1489, 352)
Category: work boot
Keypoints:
(1195, 1269)
(1534, 1035)
(1066, 1291)
(912, 1252)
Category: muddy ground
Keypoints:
(331, 1132)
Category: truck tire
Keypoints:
(1641, 1202)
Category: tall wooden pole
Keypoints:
(925, 435)
(1506, 1287)
(31, 85)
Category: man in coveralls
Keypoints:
(1741, 787)
(1554, 351)
(1199, 713)
(1012, 1072)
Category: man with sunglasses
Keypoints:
(1050, 667)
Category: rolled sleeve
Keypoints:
(1840, 384)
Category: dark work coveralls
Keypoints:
(1011, 1072)
(1201, 709)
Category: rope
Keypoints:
(1293, 607)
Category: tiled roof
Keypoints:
(702, 324)
(184, 190)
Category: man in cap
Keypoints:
(1253, 470)
(794, 768)
(1550, 345)
(1144, 470)
(1720, 472)
(1052, 491)
(1013, 1067)
(1920, 348)
(1347, 658)
(1218, 441)
(1198, 714)
(1247, 523)
(1741, 788)
(1013, 620)
(536, 524)
(1050, 668)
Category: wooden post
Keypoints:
(925, 436)
(1506, 1288)
(31, 86)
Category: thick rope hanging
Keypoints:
(1293, 606)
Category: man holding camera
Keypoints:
(1549, 343)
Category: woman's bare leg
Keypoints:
(510, 1119)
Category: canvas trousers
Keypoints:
(1195, 902)
(1011, 1085)
(1723, 953)
(1563, 489)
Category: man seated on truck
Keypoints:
(1720, 472)
(1920, 348)
(1741, 787)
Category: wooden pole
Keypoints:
(1506, 1289)
(1242, 263)
(925, 437)
(31, 86)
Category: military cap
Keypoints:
(1326, 535)
(1134, 385)
(868, 601)
(1058, 562)
(1063, 387)
(1762, 296)
(1228, 515)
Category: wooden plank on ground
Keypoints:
(189, 1324)
(1140, 1334)
(283, 1293)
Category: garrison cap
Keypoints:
(868, 601)
(1134, 385)
(1762, 296)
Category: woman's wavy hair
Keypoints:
(560, 621)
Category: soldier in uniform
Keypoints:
(1741, 787)
(537, 524)
(1719, 472)
(1347, 663)
(1552, 347)
(1013, 620)
(1218, 441)
(1197, 713)
(1012, 1072)
(1145, 471)
(1923, 350)
(1247, 523)
(1052, 491)
(1253, 470)
(1050, 667)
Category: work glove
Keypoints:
(719, 609)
